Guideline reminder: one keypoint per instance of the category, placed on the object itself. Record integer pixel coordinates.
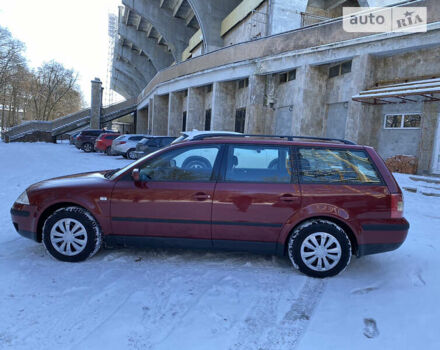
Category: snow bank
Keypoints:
(174, 299)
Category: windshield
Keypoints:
(139, 161)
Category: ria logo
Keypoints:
(385, 19)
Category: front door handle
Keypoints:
(289, 198)
(201, 196)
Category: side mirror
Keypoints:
(136, 175)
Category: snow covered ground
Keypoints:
(174, 299)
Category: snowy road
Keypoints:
(173, 299)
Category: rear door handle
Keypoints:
(201, 196)
(289, 198)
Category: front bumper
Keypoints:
(382, 237)
(23, 219)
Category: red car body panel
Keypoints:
(218, 213)
(102, 142)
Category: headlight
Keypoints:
(23, 198)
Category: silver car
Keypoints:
(125, 145)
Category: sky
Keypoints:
(74, 33)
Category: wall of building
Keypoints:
(410, 65)
(254, 26)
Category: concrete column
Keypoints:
(175, 113)
(142, 121)
(359, 124)
(259, 117)
(195, 110)
(150, 116)
(223, 106)
(160, 115)
(427, 152)
(309, 105)
(96, 102)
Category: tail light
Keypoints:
(396, 205)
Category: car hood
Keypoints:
(76, 180)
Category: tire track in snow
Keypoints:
(287, 334)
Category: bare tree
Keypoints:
(12, 67)
(45, 93)
(50, 85)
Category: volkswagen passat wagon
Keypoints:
(317, 202)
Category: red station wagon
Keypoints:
(318, 201)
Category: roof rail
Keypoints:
(288, 137)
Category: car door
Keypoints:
(172, 200)
(255, 196)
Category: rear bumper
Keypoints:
(382, 237)
(139, 154)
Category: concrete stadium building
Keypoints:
(281, 67)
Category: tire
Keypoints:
(87, 147)
(130, 154)
(62, 245)
(108, 151)
(334, 248)
(196, 162)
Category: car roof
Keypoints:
(275, 141)
(193, 133)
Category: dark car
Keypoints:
(73, 137)
(151, 144)
(86, 139)
(317, 202)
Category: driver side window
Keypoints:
(189, 164)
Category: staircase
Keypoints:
(35, 130)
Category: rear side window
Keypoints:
(344, 166)
(111, 137)
(136, 138)
(258, 163)
(166, 141)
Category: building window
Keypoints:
(340, 69)
(402, 121)
(240, 119)
(184, 122)
(185, 94)
(208, 88)
(208, 120)
(287, 76)
(243, 83)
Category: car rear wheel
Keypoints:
(87, 147)
(71, 234)
(319, 248)
(131, 153)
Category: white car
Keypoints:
(191, 135)
(125, 145)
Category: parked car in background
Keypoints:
(151, 144)
(73, 137)
(190, 135)
(317, 202)
(125, 145)
(86, 139)
(104, 142)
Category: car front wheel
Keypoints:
(71, 234)
(319, 248)
(87, 147)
